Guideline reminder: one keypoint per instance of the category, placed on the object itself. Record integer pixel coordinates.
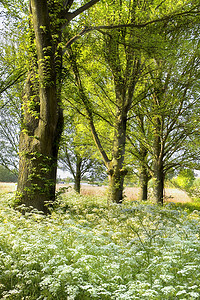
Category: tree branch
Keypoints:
(71, 15)
(120, 26)
(11, 83)
(87, 106)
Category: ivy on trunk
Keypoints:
(42, 119)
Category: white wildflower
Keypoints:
(150, 293)
(194, 295)
(168, 290)
(181, 292)
(166, 277)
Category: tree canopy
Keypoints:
(127, 71)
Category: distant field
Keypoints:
(131, 193)
(6, 187)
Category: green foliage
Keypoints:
(195, 189)
(187, 182)
(6, 175)
(152, 68)
(86, 250)
(77, 153)
(189, 207)
(185, 179)
(131, 179)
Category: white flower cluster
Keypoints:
(91, 251)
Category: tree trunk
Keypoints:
(42, 116)
(125, 79)
(144, 174)
(77, 178)
(143, 183)
(116, 183)
(115, 167)
(159, 183)
(158, 164)
(116, 170)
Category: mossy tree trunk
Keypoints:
(42, 115)
(116, 170)
(42, 119)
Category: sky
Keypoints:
(62, 174)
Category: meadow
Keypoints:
(89, 249)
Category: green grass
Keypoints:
(188, 206)
(89, 250)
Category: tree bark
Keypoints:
(158, 163)
(159, 183)
(116, 184)
(143, 172)
(42, 119)
(144, 178)
(77, 177)
(116, 170)
(42, 116)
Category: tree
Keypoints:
(12, 72)
(42, 113)
(126, 51)
(169, 112)
(173, 129)
(76, 153)
(124, 64)
(9, 132)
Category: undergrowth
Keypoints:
(89, 250)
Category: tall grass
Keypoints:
(89, 250)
